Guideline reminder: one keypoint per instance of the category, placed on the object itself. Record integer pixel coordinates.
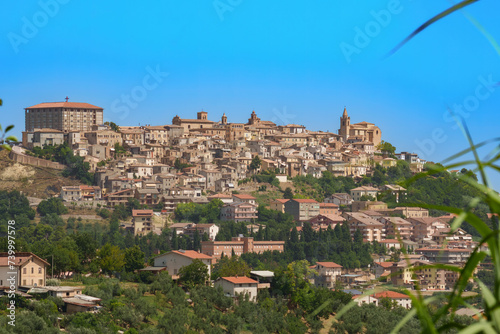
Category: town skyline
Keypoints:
(181, 59)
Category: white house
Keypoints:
(401, 299)
(233, 286)
(356, 193)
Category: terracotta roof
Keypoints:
(120, 192)
(193, 254)
(390, 294)
(389, 241)
(243, 196)
(305, 200)
(136, 213)
(331, 205)
(332, 217)
(239, 280)
(21, 258)
(385, 264)
(77, 105)
(281, 200)
(329, 264)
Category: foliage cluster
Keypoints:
(75, 165)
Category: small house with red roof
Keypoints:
(401, 299)
(234, 286)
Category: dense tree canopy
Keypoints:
(194, 274)
(230, 266)
(52, 205)
(75, 165)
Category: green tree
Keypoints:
(174, 240)
(9, 139)
(179, 165)
(288, 194)
(194, 274)
(196, 240)
(255, 164)
(111, 258)
(65, 259)
(230, 266)
(13, 204)
(367, 198)
(294, 280)
(52, 219)
(86, 246)
(52, 205)
(134, 258)
(119, 150)
(113, 126)
(386, 147)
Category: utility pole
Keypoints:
(52, 276)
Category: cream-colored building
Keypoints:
(104, 136)
(327, 274)
(369, 227)
(356, 193)
(30, 269)
(278, 204)
(142, 222)
(200, 122)
(424, 228)
(234, 286)
(360, 132)
(175, 260)
(42, 137)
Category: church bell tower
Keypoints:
(345, 124)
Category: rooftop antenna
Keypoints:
(67, 98)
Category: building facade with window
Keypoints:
(31, 270)
(64, 116)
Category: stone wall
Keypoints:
(26, 159)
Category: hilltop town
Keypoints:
(199, 194)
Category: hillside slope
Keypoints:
(32, 181)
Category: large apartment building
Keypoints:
(239, 245)
(64, 116)
(302, 209)
(370, 228)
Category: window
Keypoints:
(32, 270)
(24, 270)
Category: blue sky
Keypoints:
(296, 63)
